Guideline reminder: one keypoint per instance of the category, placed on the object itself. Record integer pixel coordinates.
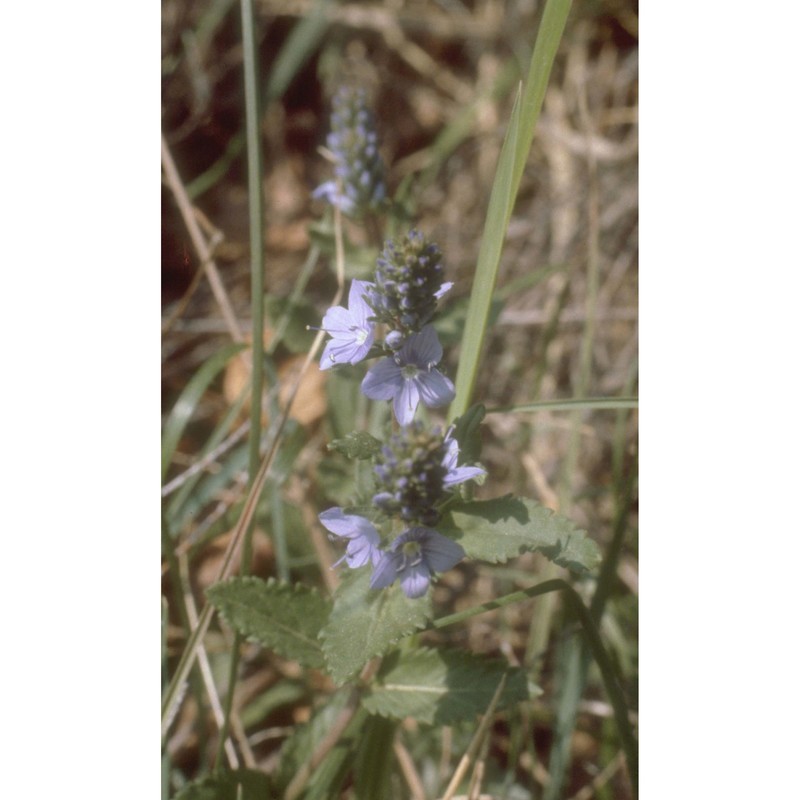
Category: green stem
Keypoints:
(571, 404)
(256, 213)
(256, 209)
(604, 663)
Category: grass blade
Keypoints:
(510, 166)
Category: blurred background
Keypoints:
(442, 77)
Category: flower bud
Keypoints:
(408, 281)
(410, 474)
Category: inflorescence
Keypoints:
(415, 474)
(417, 470)
(359, 186)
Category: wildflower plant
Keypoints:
(404, 526)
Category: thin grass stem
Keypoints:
(256, 218)
(571, 404)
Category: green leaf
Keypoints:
(503, 528)
(441, 687)
(467, 433)
(284, 618)
(241, 784)
(366, 623)
(357, 444)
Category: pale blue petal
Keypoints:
(414, 581)
(362, 550)
(423, 348)
(326, 190)
(338, 323)
(458, 475)
(327, 360)
(439, 552)
(359, 310)
(348, 526)
(450, 459)
(446, 287)
(385, 571)
(406, 401)
(435, 388)
(383, 381)
(338, 351)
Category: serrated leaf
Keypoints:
(282, 617)
(503, 528)
(357, 444)
(240, 784)
(366, 623)
(441, 687)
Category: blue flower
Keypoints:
(330, 191)
(351, 331)
(412, 558)
(353, 142)
(409, 376)
(456, 474)
(363, 545)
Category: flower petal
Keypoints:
(445, 287)
(458, 475)
(423, 348)
(339, 351)
(406, 401)
(338, 323)
(362, 550)
(385, 571)
(435, 388)
(348, 526)
(414, 581)
(359, 310)
(439, 552)
(383, 381)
